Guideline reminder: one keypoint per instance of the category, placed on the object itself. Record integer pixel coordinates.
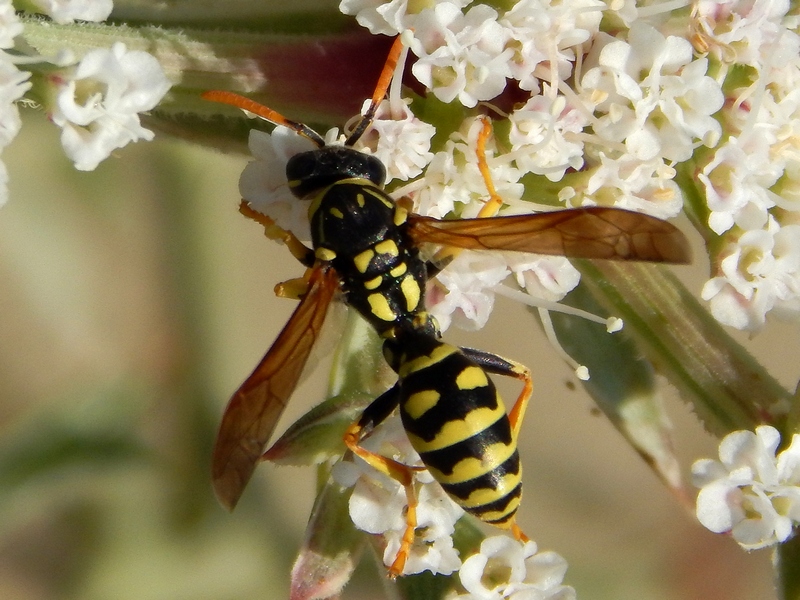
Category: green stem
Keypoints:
(729, 389)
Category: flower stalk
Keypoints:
(727, 387)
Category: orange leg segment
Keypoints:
(274, 232)
(401, 473)
(517, 413)
(493, 204)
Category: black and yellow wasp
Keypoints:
(366, 246)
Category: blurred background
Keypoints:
(135, 300)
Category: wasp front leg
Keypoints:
(403, 474)
(274, 232)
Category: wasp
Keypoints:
(366, 247)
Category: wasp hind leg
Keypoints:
(374, 414)
(498, 365)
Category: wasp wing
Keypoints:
(254, 410)
(593, 232)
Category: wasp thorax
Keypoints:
(309, 172)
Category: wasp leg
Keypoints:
(374, 414)
(294, 289)
(298, 249)
(503, 366)
(493, 204)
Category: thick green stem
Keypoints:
(729, 389)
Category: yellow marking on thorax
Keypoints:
(411, 292)
(387, 247)
(363, 260)
(360, 200)
(373, 283)
(376, 192)
(400, 215)
(325, 254)
(459, 430)
(471, 378)
(379, 307)
(440, 352)
(419, 403)
(399, 270)
(317, 199)
(470, 468)
(336, 213)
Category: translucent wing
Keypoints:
(254, 410)
(594, 232)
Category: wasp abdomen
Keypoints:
(456, 421)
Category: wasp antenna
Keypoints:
(380, 91)
(251, 106)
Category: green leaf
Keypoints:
(317, 435)
(622, 383)
(331, 549)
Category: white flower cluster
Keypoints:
(98, 101)
(612, 117)
(502, 568)
(505, 568)
(13, 84)
(69, 11)
(752, 180)
(750, 492)
(95, 100)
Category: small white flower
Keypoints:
(68, 11)
(505, 568)
(384, 18)
(545, 138)
(13, 84)
(387, 18)
(464, 291)
(263, 182)
(759, 270)
(453, 182)
(403, 141)
(98, 102)
(628, 182)
(652, 95)
(10, 25)
(750, 492)
(547, 277)
(544, 34)
(461, 55)
(749, 27)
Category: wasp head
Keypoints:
(309, 172)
